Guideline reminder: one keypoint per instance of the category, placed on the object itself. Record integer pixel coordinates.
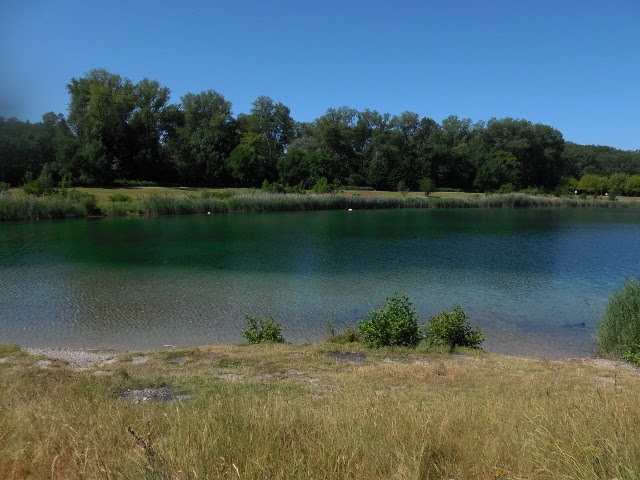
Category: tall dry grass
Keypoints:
(278, 411)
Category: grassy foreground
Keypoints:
(282, 412)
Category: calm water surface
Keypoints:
(536, 281)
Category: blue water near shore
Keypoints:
(535, 280)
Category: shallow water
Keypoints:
(536, 281)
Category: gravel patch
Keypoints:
(151, 394)
(231, 377)
(603, 362)
(290, 371)
(79, 359)
(4, 360)
(139, 359)
(348, 357)
(458, 356)
(177, 360)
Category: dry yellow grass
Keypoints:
(281, 411)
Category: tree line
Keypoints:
(117, 131)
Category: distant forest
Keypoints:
(118, 131)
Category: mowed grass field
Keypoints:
(317, 411)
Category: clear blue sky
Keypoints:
(574, 65)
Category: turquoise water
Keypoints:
(536, 281)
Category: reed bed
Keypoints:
(270, 202)
(287, 412)
(39, 208)
(35, 208)
(180, 205)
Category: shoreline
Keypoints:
(81, 359)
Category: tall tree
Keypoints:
(121, 126)
(203, 144)
(273, 121)
(537, 148)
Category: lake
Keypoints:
(535, 280)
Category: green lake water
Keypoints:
(536, 281)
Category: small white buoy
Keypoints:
(351, 209)
(208, 213)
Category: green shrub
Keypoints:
(427, 185)
(263, 330)
(119, 197)
(322, 186)
(619, 328)
(394, 325)
(506, 188)
(123, 182)
(299, 188)
(274, 187)
(4, 187)
(452, 329)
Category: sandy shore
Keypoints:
(87, 358)
(78, 359)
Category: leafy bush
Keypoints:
(452, 328)
(506, 188)
(322, 186)
(394, 325)
(274, 187)
(299, 188)
(263, 330)
(119, 197)
(619, 328)
(4, 187)
(123, 182)
(427, 185)
(43, 185)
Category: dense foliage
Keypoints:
(396, 324)
(120, 132)
(453, 329)
(619, 329)
(263, 330)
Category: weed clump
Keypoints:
(619, 328)
(263, 330)
(349, 334)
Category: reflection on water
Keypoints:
(535, 280)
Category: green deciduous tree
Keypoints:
(499, 168)
(121, 126)
(203, 143)
(632, 187)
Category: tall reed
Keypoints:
(39, 208)
(180, 205)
